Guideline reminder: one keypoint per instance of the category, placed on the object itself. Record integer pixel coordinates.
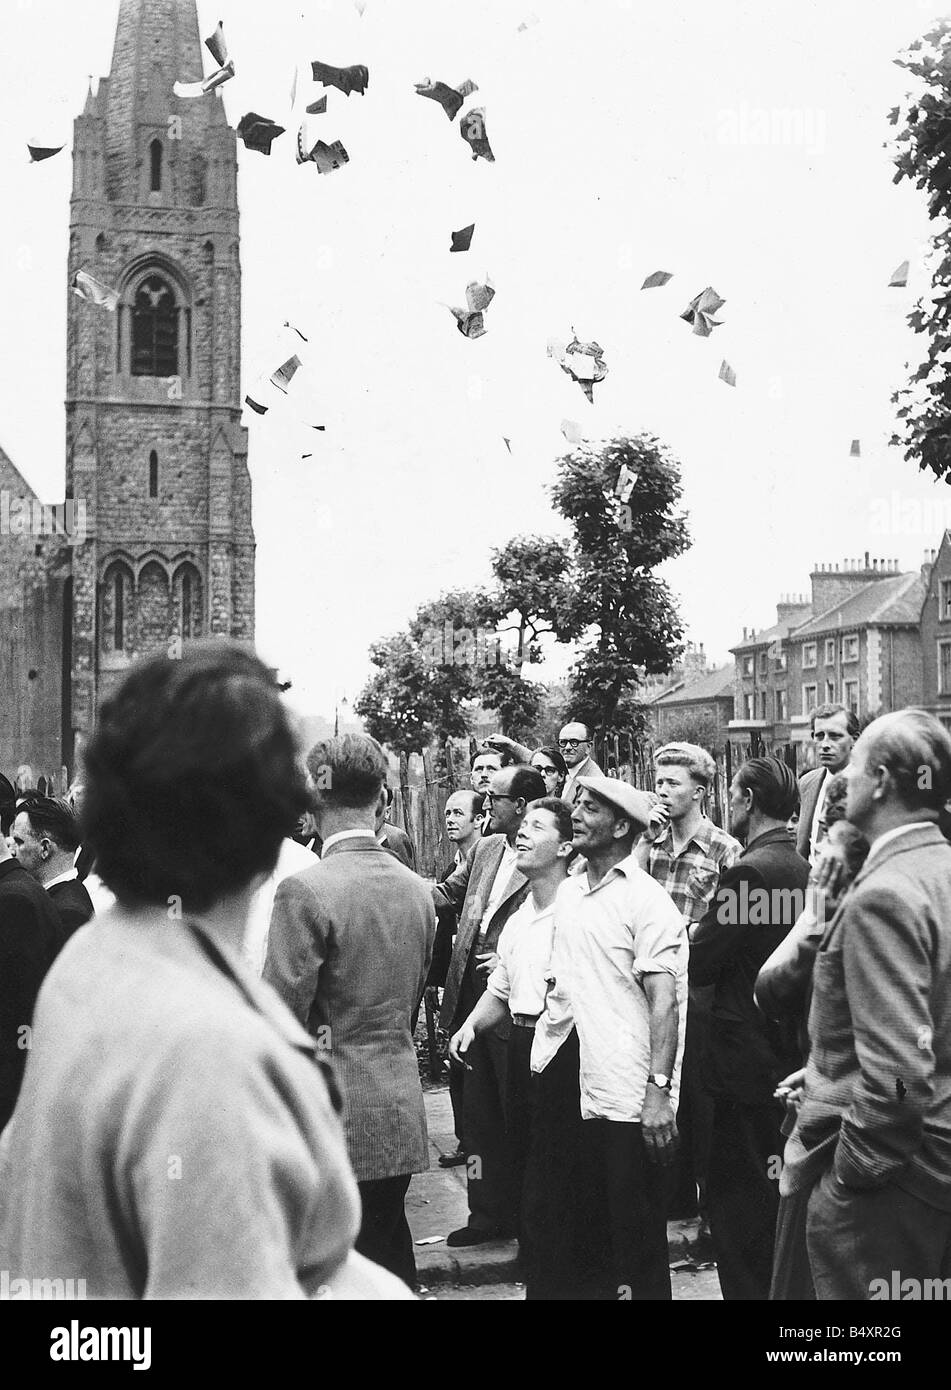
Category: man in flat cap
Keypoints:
(619, 978)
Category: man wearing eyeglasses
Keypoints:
(834, 731)
(575, 744)
(485, 891)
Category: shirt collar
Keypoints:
(625, 868)
(346, 835)
(894, 833)
(702, 836)
(68, 877)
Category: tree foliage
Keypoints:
(923, 155)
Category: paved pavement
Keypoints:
(436, 1204)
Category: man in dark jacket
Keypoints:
(30, 937)
(757, 903)
(45, 839)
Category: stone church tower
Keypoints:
(154, 442)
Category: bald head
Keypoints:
(899, 771)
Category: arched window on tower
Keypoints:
(154, 329)
(155, 160)
(153, 473)
(187, 605)
(115, 613)
(118, 613)
(187, 600)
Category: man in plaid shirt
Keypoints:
(686, 853)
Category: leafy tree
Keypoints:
(923, 154)
(628, 613)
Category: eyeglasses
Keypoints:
(547, 771)
(571, 742)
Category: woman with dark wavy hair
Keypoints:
(176, 1135)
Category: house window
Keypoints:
(945, 602)
(747, 665)
(153, 474)
(809, 698)
(747, 707)
(781, 707)
(850, 696)
(809, 651)
(763, 663)
(155, 329)
(781, 661)
(830, 651)
(762, 704)
(155, 163)
(850, 648)
(944, 668)
(830, 692)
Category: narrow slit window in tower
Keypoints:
(153, 474)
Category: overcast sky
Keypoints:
(738, 145)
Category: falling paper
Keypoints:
(583, 362)
(572, 431)
(285, 372)
(303, 339)
(326, 157)
(472, 130)
(656, 279)
(528, 23)
(624, 486)
(470, 325)
(462, 240)
(217, 47)
(507, 443)
(189, 90)
(430, 1240)
(856, 450)
(88, 287)
(258, 132)
(40, 152)
(700, 312)
(900, 277)
(556, 348)
(727, 373)
(346, 80)
(479, 296)
(317, 108)
(449, 98)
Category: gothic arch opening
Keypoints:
(155, 328)
(152, 624)
(115, 610)
(187, 601)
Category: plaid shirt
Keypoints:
(692, 876)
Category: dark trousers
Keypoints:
(792, 1277)
(491, 1204)
(742, 1196)
(865, 1244)
(518, 1119)
(560, 1258)
(694, 1113)
(457, 1078)
(384, 1231)
(629, 1208)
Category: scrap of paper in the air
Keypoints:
(656, 279)
(572, 431)
(346, 80)
(626, 480)
(258, 132)
(40, 152)
(449, 98)
(856, 450)
(216, 45)
(899, 277)
(584, 363)
(727, 373)
(326, 157)
(88, 287)
(701, 309)
(318, 107)
(472, 130)
(479, 296)
(188, 91)
(470, 324)
(462, 240)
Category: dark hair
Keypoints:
(528, 783)
(554, 756)
(53, 817)
(192, 777)
(773, 784)
(485, 753)
(8, 805)
(349, 770)
(827, 711)
(561, 812)
(833, 808)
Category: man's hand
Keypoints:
(460, 1043)
(486, 964)
(500, 741)
(828, 873)
(659, 1126)
(659, 820)
(790, 1090)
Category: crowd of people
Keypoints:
(213, 954)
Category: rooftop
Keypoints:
(895, 601)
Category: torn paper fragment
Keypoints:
(899, 277)
(472, 130)
(346, 80)
(462, 240)
(93, 290)
(727, 373)
(656, 279)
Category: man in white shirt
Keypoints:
(620, 976)
(834, 731)
(518, 984)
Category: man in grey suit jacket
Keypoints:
(834, 731)
(870, 1157)
(485, 891)
(348, 951)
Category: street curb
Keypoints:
(496, 1262)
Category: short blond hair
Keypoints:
(695, 759)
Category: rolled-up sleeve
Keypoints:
(660, 941)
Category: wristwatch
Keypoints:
(658, 1078)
